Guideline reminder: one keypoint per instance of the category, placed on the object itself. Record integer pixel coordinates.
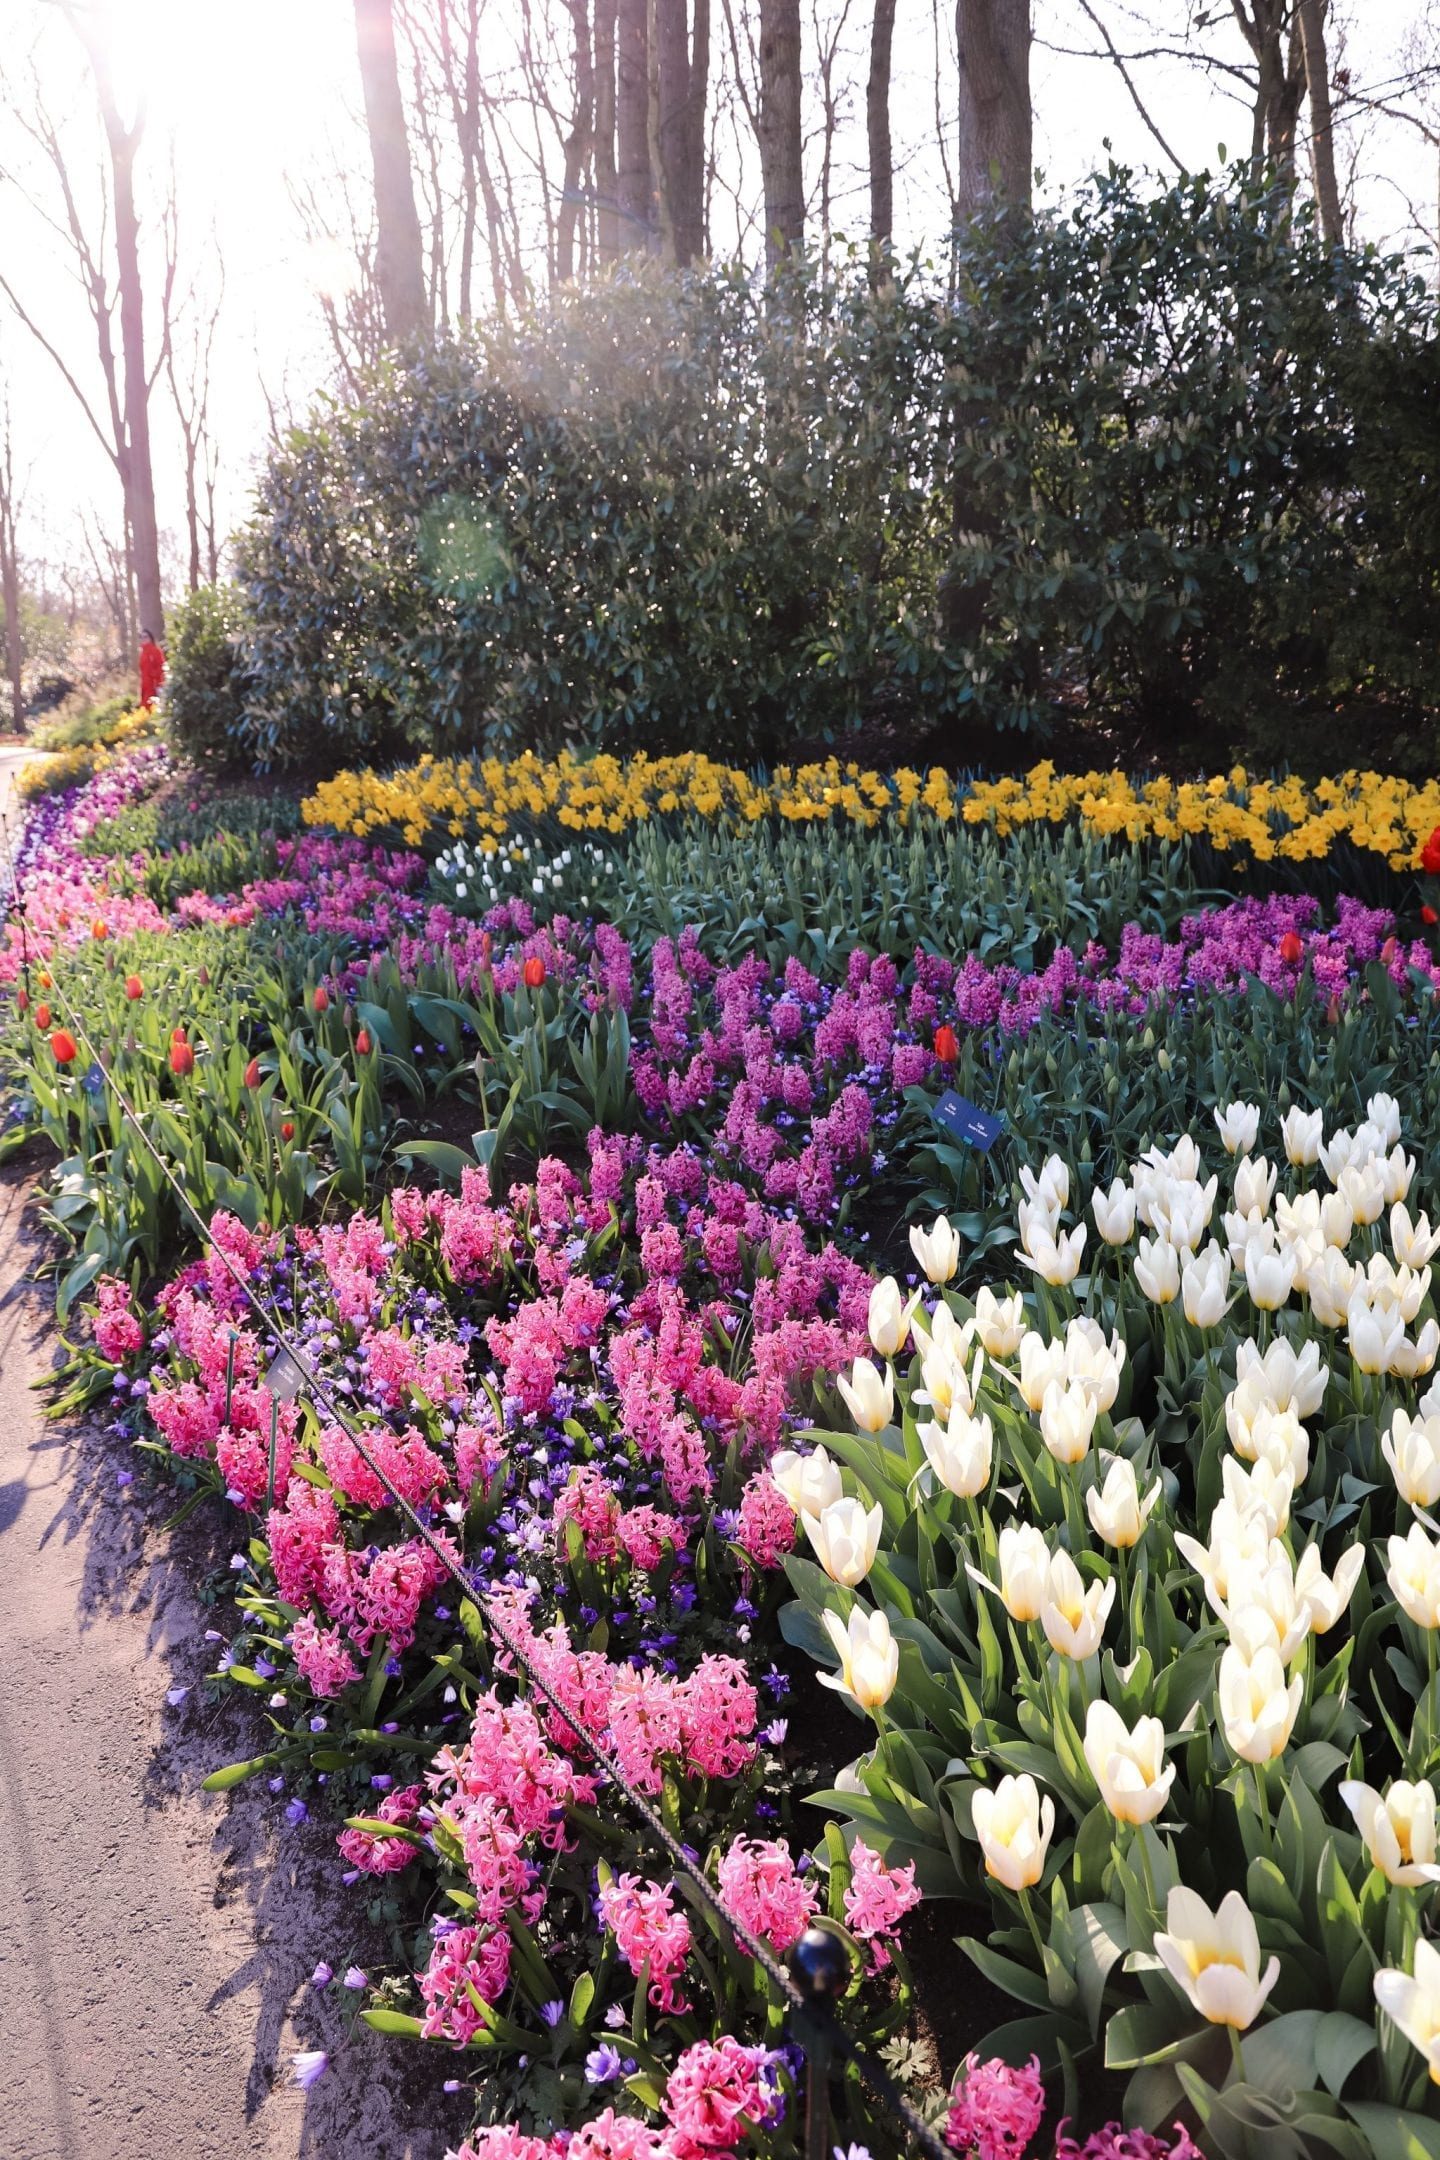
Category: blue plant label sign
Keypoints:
(976, 1127)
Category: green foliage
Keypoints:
(88, 725)
(1168, 449)
(206, 677)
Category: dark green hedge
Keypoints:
(1169, 451)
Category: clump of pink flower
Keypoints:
(648, 1931)
(995, 2108)
(717, 2091)
(761, 1887)
(767, 1522)
(1111, 2142)
(376, 1855)
(463, 1958)
(118, 1333)
(877, 1899)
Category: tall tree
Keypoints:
(10, 572)
(633, 186)
(399, 258)
(1271, 28)
(682, 70)
(877, 130)
(781, 168)
(993, 151)
(1322, 119)
(607, 205)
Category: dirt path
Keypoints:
(155, 1943)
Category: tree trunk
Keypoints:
(399, 260)
(780, 144)
(994, 148)
(607, 220)
(10, 587)
(140, 479)
(577, 143)
(632, 123)
(681, 82)
(877, 131)
(1322, 120)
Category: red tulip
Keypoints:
(22, 1000)
(65, 1047)
(534, 972)
(322, 999)
(252, 1073)
(1292, 948)
(287, 1130)
(947, 1045)
(182, 1059)
(1430, 854)
(99, 929)
(362, 1043)
(134, 988)
(42, 1017)
(63, 918)
(1429, 917)
(1389, 949)
(179, 1034)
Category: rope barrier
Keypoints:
(815, 1971)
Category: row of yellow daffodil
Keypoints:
(485, 797)
(1292, 819)
(66, 768)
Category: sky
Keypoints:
(263, 97)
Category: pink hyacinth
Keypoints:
(118, 1334)
(465, 1958)
(876, 1900)
(759, 1884)
(648, 1930)
(375, 1855)
(767, 1522)
(1111, 2142)
(714, 2095)
(995, 2109)
(325, 1663)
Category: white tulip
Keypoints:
(1117, 1512)
(1040, 1363)
(1269, 1277)
(1383, 1112)
(1243, 1231)
(1412, 1449)
(1413, 1573)
(1157, 1270)
(1090, 1359)
(1397, 1174)
(1264, 1609)
(1328, 1596)
(1073, 1616)
(1262, 1488)
(1416, 1244)
(810, 1483)
(960, 1452)
(1051, 1189)
(1338, 1152)
(1182, 1214)
(1330, 1285)
(1364, 1186)
(1257, 1709)
(1413, 2003)
(889, 1317)
(1289, 1380)
(1398, 1827)
(1278, 1438)
(1236, 1543)
(1297, 1220)
(1374, 1332)
(1254, 1186)
(845, 1538)
(1302, 1132)
(1114, 1212)
(937, 1249)
(1237, 1124)
(1214, 1957)
(1024, 1569)
(1128, 1765)
(1411, 1360)
(869, 1657)
(1039, 1226)
(999, 1322)
(1056, 1259)
(1014, 1826)
(1337, 1220)
(946, 1385)
(1205, 1286)
(942, 1332)
(1067, 1419)
(869, 1396)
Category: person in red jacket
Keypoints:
(152, 669)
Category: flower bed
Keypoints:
(1113, 1558)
